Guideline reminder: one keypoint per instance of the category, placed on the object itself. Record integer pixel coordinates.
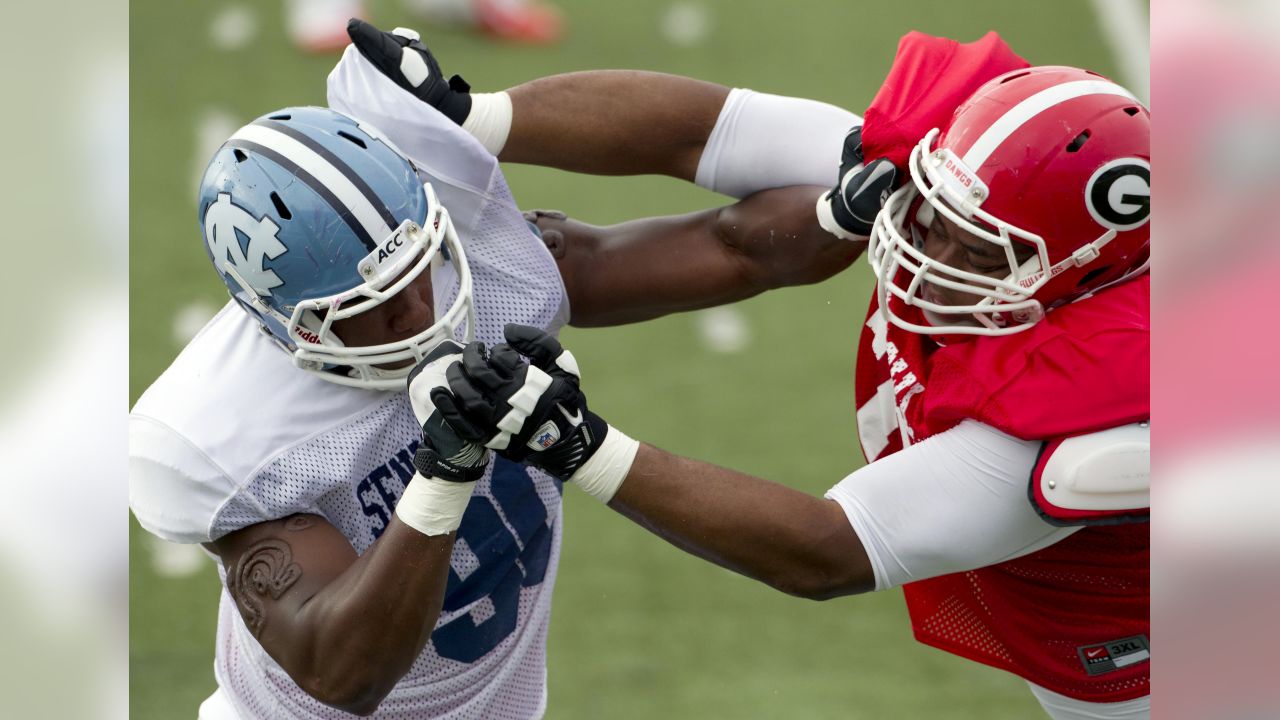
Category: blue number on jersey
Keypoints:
(511, 555)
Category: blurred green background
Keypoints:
(638, 630)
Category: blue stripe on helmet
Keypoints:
(339, 164)
(312, 182)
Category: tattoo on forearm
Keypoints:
(265, 571)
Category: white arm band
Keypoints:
(490, 120)
(760, 141)
(602, 475)
(955, 501)
(763, 141)
(433, 506)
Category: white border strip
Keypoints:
(1024, 111)
(324, 171)
(1125, 24)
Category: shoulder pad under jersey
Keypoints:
(1099, 478)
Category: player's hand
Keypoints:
(401, 56)
(849, 209)
(548, 225)
(538, 217)
(532, 412)
(443, 453)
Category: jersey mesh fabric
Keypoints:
(486, 658)
(958, 612)
(1083, 368)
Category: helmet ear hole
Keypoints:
(355, 140)
(1081, 139)
(281, 208)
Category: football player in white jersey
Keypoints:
(373, 562)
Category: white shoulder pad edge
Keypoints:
(1106, 470)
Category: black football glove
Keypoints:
(401, 56)
(849, 209)
(443, 453)
(532, 412)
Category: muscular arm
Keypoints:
(592, 122)
(345, 628)
(646, 268)
(607, 122)
(952, 502)
(797, 543)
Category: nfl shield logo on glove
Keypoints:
(546, 436)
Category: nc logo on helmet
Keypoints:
(224, 223)
(1119, 194)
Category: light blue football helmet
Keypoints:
(311, 217)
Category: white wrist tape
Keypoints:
(602, 475)
(490, 120)
(433, 506)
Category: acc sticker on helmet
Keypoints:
(1119, 194)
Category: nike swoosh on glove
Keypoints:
(849, 209)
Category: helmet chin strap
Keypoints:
(389, 373)
(1085, 254)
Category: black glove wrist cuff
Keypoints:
(456, 103)
(429, 464)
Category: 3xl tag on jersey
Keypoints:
(1114, 655)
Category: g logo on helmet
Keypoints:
(1119, 194)
(224, 223)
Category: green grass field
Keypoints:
(639, 630)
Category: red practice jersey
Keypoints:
(1072, 617)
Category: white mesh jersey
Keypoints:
(232, 434)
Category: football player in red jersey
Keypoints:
(1002, 386)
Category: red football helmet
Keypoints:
(1056, 159)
